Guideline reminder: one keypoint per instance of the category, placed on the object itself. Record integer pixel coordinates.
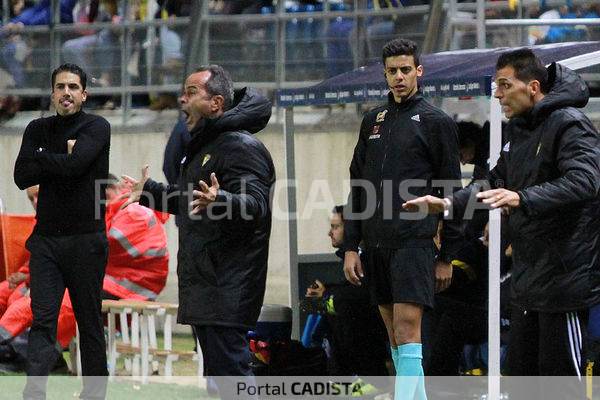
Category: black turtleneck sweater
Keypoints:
(71, 198)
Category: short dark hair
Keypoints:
(74, 69)
(400, 47)
(113, 181)
(469, 133)
(339, 210)
(527, 66)
(219, 83)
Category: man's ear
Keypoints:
(419, 71)
(534, 87)
(217, 103)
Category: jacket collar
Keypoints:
(250, 112)
(411, 101)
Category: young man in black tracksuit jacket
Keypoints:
(404, 147)
(67, 155)
(548, 176)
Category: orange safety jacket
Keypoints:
(138, 260)
(138, 264)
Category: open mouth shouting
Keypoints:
(189, 119)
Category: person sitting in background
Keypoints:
(138, 260)
(361, 352)
(137, 268)
(460, 316)
(16, 283)
(473, 142)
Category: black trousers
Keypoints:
(547, 345)
(226, 353)
(78, 263)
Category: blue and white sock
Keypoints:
(410, 383)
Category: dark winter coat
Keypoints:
(222, 259)
(552, 160)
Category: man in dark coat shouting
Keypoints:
(223, 197)
(548, 179)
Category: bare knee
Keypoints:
(407, 323)
(407, 331)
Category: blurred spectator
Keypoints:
(564, 33)
(341, 33)
(339, 49)
(538, 33)
(561, 33)
(97, 53)
(16, 7)
(14, 48)
(40, 13)
(238, 6)
(171, 55)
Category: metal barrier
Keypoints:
(280, 47)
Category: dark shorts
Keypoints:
(401, 275)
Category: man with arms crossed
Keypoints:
(67, 155)
(548, 178)
(405, 140)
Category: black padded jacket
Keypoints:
(222, 258)
(552, 160)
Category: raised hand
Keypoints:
(136, 187)
(205, 196)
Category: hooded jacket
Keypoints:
(222, 259)
(552, 160)
(138, 259)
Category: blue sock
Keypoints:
(420, 393)
(394, 356)
(410, 384)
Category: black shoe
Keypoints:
(60, 366)
(7, 353)
(10, 368)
